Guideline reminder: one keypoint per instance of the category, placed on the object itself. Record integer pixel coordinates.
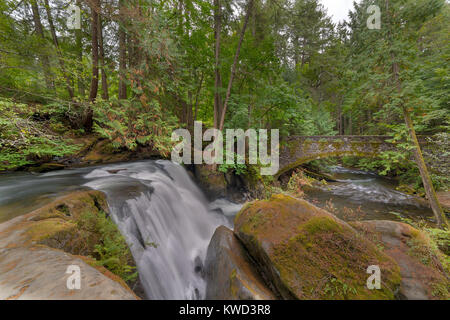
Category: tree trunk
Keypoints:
(217, 78)
(233, 68)
(350, 125)
(43, 57)
(426, 179)
(105, 94)
(79, 49)
(339, 119)
(94, 43)
(424, 174)
(122, 52)
(95, 6)
(60, 57)
(197, 94)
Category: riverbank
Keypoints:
(165, 218)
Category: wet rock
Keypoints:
(229, 272)
(46, 167)
(307, 253)
(40, 273)
(115, 171)
(211, 181)
(423, 276)
(198, 267)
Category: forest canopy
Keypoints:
(135, 70)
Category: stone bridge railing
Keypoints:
(298, 150)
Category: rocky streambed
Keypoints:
(287, 248)
(186, 247)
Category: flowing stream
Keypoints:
(165, 218)
(367, 196)
(168, 222)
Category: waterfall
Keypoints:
(167, 222)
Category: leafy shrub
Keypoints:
(129, 123)
(111, 250)
(24, 141)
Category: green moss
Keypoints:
(110, 249)
(338, 144)
(243, 209)
(233, 288)
(48, 228)
(309, 248)
(320, 224)
(78, 224)
(440, 291)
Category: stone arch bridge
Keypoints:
(298, 150)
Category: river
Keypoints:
(168, 222)
(361, 195)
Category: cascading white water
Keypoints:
(167, 222)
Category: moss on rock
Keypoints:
(78, 224)
(211, 180)
(307, 253)
(423, 267)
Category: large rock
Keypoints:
(307, 253)
(40, 273)
(35, 253)
(423, 276)
(211, 180)
(230, 274)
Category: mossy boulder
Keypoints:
(423, 267)
(212, 181)
(230, 274)
(61, 224)
(72, 230)
(307, 253)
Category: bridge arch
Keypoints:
(298, 150)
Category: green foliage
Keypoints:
(238, 169)
(336, 287)
(111, 251)
(129, 123)
(297, 72)
(24, 141)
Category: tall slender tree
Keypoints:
(95, 7)
(122, 51)
(79, 55)
(235, 61)
(101, 51)
(217, 76)
(43, 55)
(58, 49)
(387, 64)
